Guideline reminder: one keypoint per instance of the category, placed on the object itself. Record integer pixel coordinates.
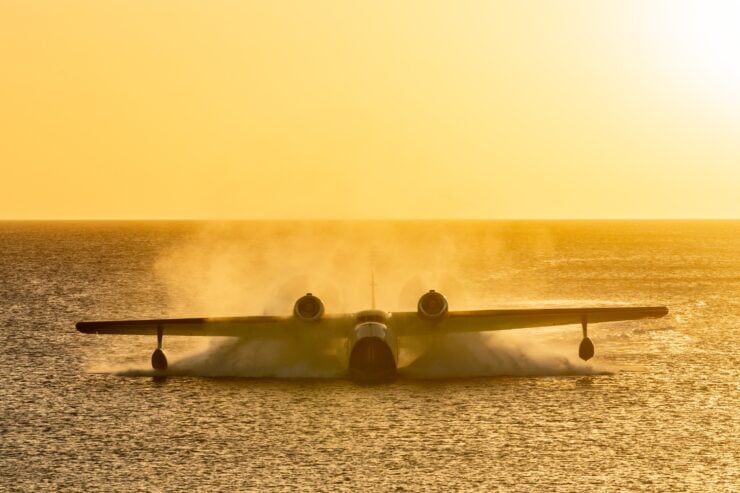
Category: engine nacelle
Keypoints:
(309, 308)
(432, 306)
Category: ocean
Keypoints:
(657, 409)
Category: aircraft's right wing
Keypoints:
(409, 323)
(253, 326)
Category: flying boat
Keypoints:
(372, 335)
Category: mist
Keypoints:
(262, 268)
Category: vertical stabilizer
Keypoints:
(372, 289)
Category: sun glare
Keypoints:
(698, 43)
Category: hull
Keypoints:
(373, 353)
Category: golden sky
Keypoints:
(382, 109)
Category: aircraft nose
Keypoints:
(371, 357)
(370, 329)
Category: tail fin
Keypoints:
(372, 288)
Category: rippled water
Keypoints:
(657, 409)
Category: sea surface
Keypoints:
(657, 409)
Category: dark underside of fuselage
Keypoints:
(372, 360)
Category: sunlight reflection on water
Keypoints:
(664, 417)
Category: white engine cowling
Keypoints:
(432, 306)
(309, 308)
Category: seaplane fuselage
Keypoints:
(373, 347)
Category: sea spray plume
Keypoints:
(312, 355)
(490, 354)
(123, 356)
(300, 356)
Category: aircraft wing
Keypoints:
(409, 323)
(255, 326)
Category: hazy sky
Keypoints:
(319, 109)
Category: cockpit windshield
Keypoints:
(377, 316)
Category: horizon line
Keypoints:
(368, 219)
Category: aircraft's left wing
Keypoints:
(409, 323)
(255, 326)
